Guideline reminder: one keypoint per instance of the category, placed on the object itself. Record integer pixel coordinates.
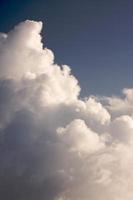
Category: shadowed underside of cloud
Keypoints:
(53, 144)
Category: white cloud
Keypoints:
(79, 138)
(122, 128)
(120, 105)
(54, 145)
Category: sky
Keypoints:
(93, 37)
(61, 136)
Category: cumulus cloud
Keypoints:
(53, 144)
(78, 137)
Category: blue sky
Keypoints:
(94, 37)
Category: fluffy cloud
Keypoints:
(53, 144)
(120, 105)
(78, 137)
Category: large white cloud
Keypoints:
(53, 144)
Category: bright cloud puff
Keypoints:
(53, 144)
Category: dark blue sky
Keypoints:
(94, 37)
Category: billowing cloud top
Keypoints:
(53, 144)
